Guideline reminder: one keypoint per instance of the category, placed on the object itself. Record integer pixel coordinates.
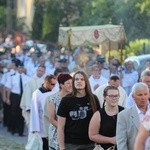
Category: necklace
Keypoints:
(111, 111)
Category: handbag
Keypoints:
(34, 142)
(98, 147)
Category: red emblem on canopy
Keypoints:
(96, 34)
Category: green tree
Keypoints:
(96, 12)
(134, 15)
(136, 47)
(145, 7)
(8, 19)
(135, 22)
(52, 19)
(2, 17)
(58, 12)
(3, 2)
(20, 25)
(38, 20)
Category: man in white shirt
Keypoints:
(15, 85)
(129, 76)
(9, 70)
(96, 79)
(34, 83)
(113, 81)
(32, 65)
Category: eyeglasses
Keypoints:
(113, 96)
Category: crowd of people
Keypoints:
(74, 102)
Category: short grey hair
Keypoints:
(145, 73)
(139, 86)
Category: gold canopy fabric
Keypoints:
(95, 35)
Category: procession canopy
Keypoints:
(94, 35)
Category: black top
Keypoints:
(108, 125)
(78, 114)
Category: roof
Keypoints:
(81, 28)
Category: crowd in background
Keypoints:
(29, 74)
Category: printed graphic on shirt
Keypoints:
(81, 113)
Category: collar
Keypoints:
(141, 112)
(43, 89)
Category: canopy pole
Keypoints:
(122, 43)
(69, 44)
(109, 51)
(121, 53)
(110, 22)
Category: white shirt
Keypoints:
(33, 84)
(5, 76)
(129, 79)
(50, 68)
(37, 111)
(13, 82)
(141, 113)
(99, 81)
(146, 121)
(31, 68)
(130, 101)
(105, 73)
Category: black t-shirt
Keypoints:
(78, 113)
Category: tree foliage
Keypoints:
(137, 47)
(135, 22)
(2, 17)
(37, 20)
(96, 12)
(58, 12)
(134, 15)
(3, 2)
(52, 20)
(50, 14)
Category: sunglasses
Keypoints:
(52, 84)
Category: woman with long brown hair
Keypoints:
(74, 114)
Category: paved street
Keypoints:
(11, 142)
